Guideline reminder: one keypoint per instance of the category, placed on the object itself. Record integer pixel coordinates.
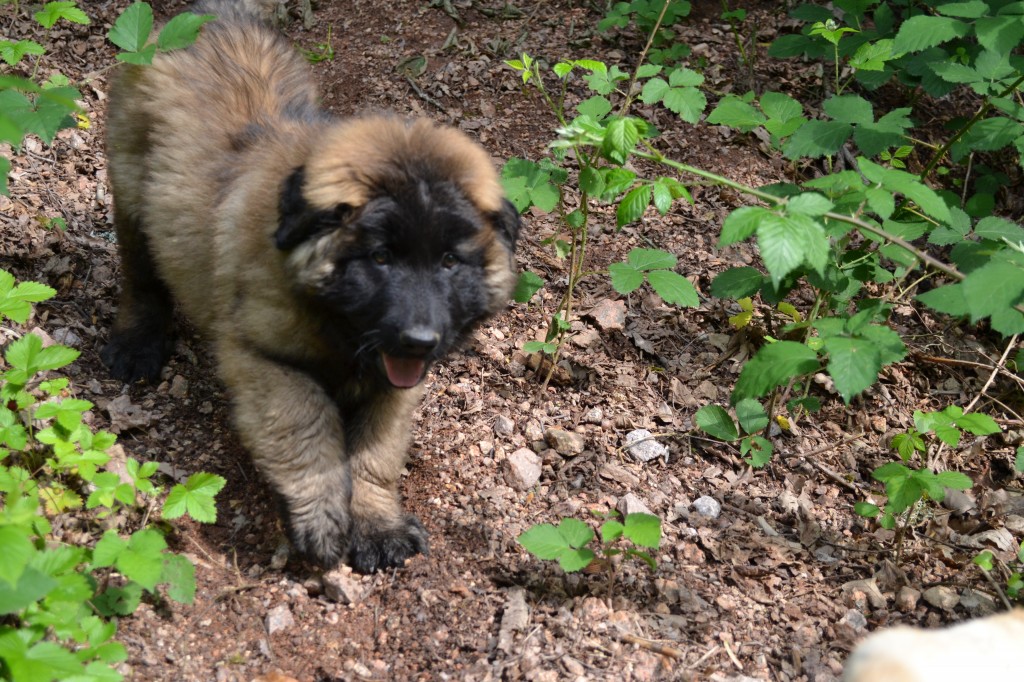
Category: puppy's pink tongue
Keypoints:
(403, 372)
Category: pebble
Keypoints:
(647, 449)
(279, 618)
(594, 415)
(907, 598)
(631, 504)
(503, 426)
(343, 587)
(708, 507)
(179, 387)
(565, 443)
(942, 597)
(523, 469)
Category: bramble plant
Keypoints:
(567, 543)
(59, 598)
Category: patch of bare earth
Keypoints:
(777, 585)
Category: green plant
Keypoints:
(59, 599)
(567, 543)
(905, 486)
(654, 19)
(321, 52)
(716, 422)
(133, 28)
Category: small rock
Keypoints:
(942, 597)
(857, 590)
(65, 336)
(343, 587)
(280, 556)
(708, 507)
(125, 415)
(854, 620)
(907, 598)
(609, 314)
(565, 443)
(642, 446)
(523, 469)
(631, 504)
(279, 618)
(594, 415)
(534, 432)
(179, 387)
(503, 426)
(515, 619)
(619, 474)
(977, 603)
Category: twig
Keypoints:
(831, 475)
(967, 363)
(650, 645)
(999, 590)
(425, 97)
(995, 371)
(732, 656)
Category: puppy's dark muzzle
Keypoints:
(419, 341)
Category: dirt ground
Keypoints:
(778, 585)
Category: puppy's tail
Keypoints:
(260, 10)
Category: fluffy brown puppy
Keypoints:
(328, 263)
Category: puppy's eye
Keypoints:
(380, 256)
(449, 260)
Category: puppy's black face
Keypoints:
(404, 277)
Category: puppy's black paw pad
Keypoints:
(376, 549)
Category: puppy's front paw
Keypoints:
(319, 532)
(373, 549)
(136, 354)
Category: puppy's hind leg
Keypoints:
(140, 341)
(293, 431)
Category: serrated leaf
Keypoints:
(742, 223)
(978, 424)
(108, 549)
(715, 421)
(688, 103)
(921, 32)
(643, 530)
(809, 203)
(735, 113)
(52, 12)
(611, 531)
(143, 57)
(780, 107)
(757, 451)
(751, 415)
(786, 242)
(121, 601)
(866, 509)
(576, 533)
(527, 285)
(633, 205)
(954, 479)
(543, 541)
(651, 259)
(909, 185)
(654, 90)
(596, 107)
(737, 283)
(673, 288)
(625, 278)
(17, 550)
(131, 30)
(572, 560)
(773, 365)
(620, 139)
(816, 139)
(853, 365)
(180, 576)
(181, 31)
(849, 109)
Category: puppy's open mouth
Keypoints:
(403, 372)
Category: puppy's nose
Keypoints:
(419, 340)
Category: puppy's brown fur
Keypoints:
(328, 262)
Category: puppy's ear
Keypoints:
(506, 223)
(297, 221)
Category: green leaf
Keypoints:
(180, 576)
(735, 113)
(998, 229)
(195, 497)
(596, 107)
(143, 57)
(625, 278)
(181, 31)
(991, 291)
(688, 103)
(922, 31)
(643, 530)
(621, 137)
(32, 586)
(632, 206)
(866, 509)
(654, 90)
(121, 601)
(984, 560)
(751, 415)
(849, 109)
(737, 283)
(576, 533)
(954, 479)
(572, 560)
(789, 241)
(41, 662)
(13, 52)
(651, 259)
(528, 284)
(978, 424)
(742, 223)
(131, 30)
(52, 12)
(815, 139)
(143, 559)
(853, 365)
(999, 34)
(716, 422)
(543, 541)
(17, 550)
(611, 531)
(773, 365)
(909, 185)
(810, 204)
(673, 288)
(756, 450)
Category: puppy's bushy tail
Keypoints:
(261, 10)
